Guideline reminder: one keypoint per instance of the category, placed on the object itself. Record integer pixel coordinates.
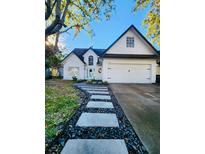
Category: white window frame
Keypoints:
(91, 61)
(74, 71)
(130, 42)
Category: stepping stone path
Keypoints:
(94, 89)
(98, 120)
(98, 146)
(99, 116)
(99, 104)
(101, 97)
(98, 92)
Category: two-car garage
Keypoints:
(129, 71)
(126, 61)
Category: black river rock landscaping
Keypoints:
(71, 131)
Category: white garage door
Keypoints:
(129, 73)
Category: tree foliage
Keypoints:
(62, 15)
(53, 56)
(152, 20)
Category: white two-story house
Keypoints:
(130, 59)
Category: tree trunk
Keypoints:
(56, 49)
(58, 23)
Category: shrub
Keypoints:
(47, 74)
(79, 81)
(105, 83)
(89, 81)
(60, 77)
(75, 78)
(94, 81)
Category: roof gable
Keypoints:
(70, 55)
(139, 40)
(91, 51)
(79, 52)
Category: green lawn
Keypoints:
(60, 104)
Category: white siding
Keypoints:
(73, 61)
(140, 45)
(98, 74)
(90, 53)
(110, 61)
(94, 67)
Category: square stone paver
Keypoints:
(95, 146)
(92, 87)
(99, 104)
(101, 97)
(98, 92)
(95, 89)
(98, 120)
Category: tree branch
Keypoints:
(55, 25)
(83, 11)
(65, 10)
(67, 29)
(48, 9)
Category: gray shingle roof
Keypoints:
(81, 51)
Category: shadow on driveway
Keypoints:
(141, 104)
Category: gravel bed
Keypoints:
(124, 131)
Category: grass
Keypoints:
(60, 104)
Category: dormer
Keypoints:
(90, 57)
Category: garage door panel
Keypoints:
(129, 73)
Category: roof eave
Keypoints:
(130, 56)
(62, 62)
(132, 26)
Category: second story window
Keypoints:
(130, 42)
(90, 60)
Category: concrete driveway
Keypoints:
(140, 102)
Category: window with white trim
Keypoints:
(90, 60)
(73, 71)
(130, 42)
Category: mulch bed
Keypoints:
(70, 131)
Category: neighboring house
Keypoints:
(130, 59)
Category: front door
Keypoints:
(91, 73)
